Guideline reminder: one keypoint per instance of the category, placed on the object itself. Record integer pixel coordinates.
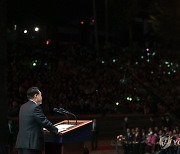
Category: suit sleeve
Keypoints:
(42, 120)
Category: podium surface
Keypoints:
(70, 139)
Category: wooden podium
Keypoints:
(70, 140)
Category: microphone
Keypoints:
(67, 112)
(55, 110)
(60, 112)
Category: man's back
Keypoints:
(30, 134)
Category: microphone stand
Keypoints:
(61, 112)
(73, 116)
(67, 112)
(66, 116)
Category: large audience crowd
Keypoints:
(83, 81)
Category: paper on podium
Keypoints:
(63, 127)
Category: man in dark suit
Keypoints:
(30, 139)
(128, 144)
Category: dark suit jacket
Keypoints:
(128, 137)
(31, 123)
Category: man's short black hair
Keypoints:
(32, 91)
